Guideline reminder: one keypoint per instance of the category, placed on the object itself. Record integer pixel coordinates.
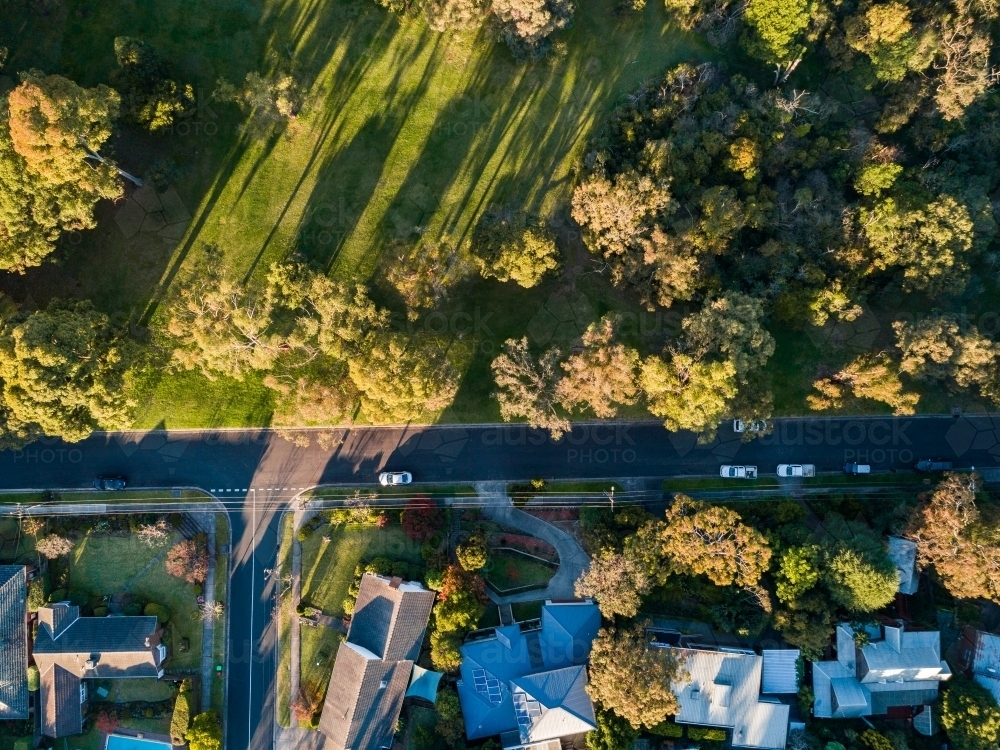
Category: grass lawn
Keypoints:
(523, 611)
(431, 490)
(403, 127)
(317, 650)
(562, 489)
(718, 483)
(108, 565)
(328, 567)
(868, 480)
(146, 689)
(92, 739)
(510, 570)
(284, 615)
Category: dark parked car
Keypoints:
(855, 468)
(109, 484)
(935, 465)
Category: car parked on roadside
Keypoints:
(738, 472)
(854, 468)
(109, 484)
(796, 470)
(757, 425)
(928, 464)
(394, 478)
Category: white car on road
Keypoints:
(796, 470)
(394, 478)
(738, 472)
(757, 425)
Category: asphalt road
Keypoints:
(258, 471)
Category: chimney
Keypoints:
(395, 582)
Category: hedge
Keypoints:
(667, 729)
(701, 733)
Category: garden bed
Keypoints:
(511, 570)
(527, 545)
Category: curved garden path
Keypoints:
(573, 561)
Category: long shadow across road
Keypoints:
(256, 473)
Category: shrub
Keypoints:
(161, 613)
(188, 560)
(304, 533)
(668, 729)
(53, 546)
(34, 679)
(78, 598)
(180, 722)
(132, 609)
(106, 723)
(205, 732)
(702, 733)
(38, 589)
(100, 611)
(421, 518)
(59, 595)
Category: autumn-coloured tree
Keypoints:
(421, 518)
(188, 560)
(46, 179)
(950, 535)
(53, 546)
(106, 723)
(514, 246)
(618, 582)
(631, 678)
(872, 376)
(702, 539)
(602, 376)
(526, 386)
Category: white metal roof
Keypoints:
(780, 675)
(722, 689)
(903, 554)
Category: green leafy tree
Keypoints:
(422, 272)
(402, 379)
(632, 679)
(66, 372)
(149, 97)
(970, 715)
(930, 245)
(875, 179)
(612, 733)
(686, 394)
(205, 732)
(776, 26)
(514, 246)
(937, 349)
(732, 327)
(472, 553)
(798, 572)
(807, 623)
(871, 376)
(885, 33)
(860, 578)
(445, 654)
(450, 724)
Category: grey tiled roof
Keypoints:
(60, 697)
(373, 666)
(13, 643)
(363, 700)
(116, 646)
(390, 621)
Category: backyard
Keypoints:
(509, 570)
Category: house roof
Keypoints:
(105, 647)
(13, 642)
(390, 618)
(510, 663)
(60, 700)
(569, 630)
(373, 666)
(899, 668)
(987, 657)
(722, 689)
(424, 684)
(554, 704)
(903, 553)
(780, 671)
(764, 725)
(364, 699)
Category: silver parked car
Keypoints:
(394, 478)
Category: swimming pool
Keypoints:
(121, 742)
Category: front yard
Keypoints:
(509, 569)
(123, 569)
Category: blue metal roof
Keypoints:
(489, 665)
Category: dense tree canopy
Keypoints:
(632, 679)
(65, 372)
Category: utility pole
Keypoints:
(610, 494)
